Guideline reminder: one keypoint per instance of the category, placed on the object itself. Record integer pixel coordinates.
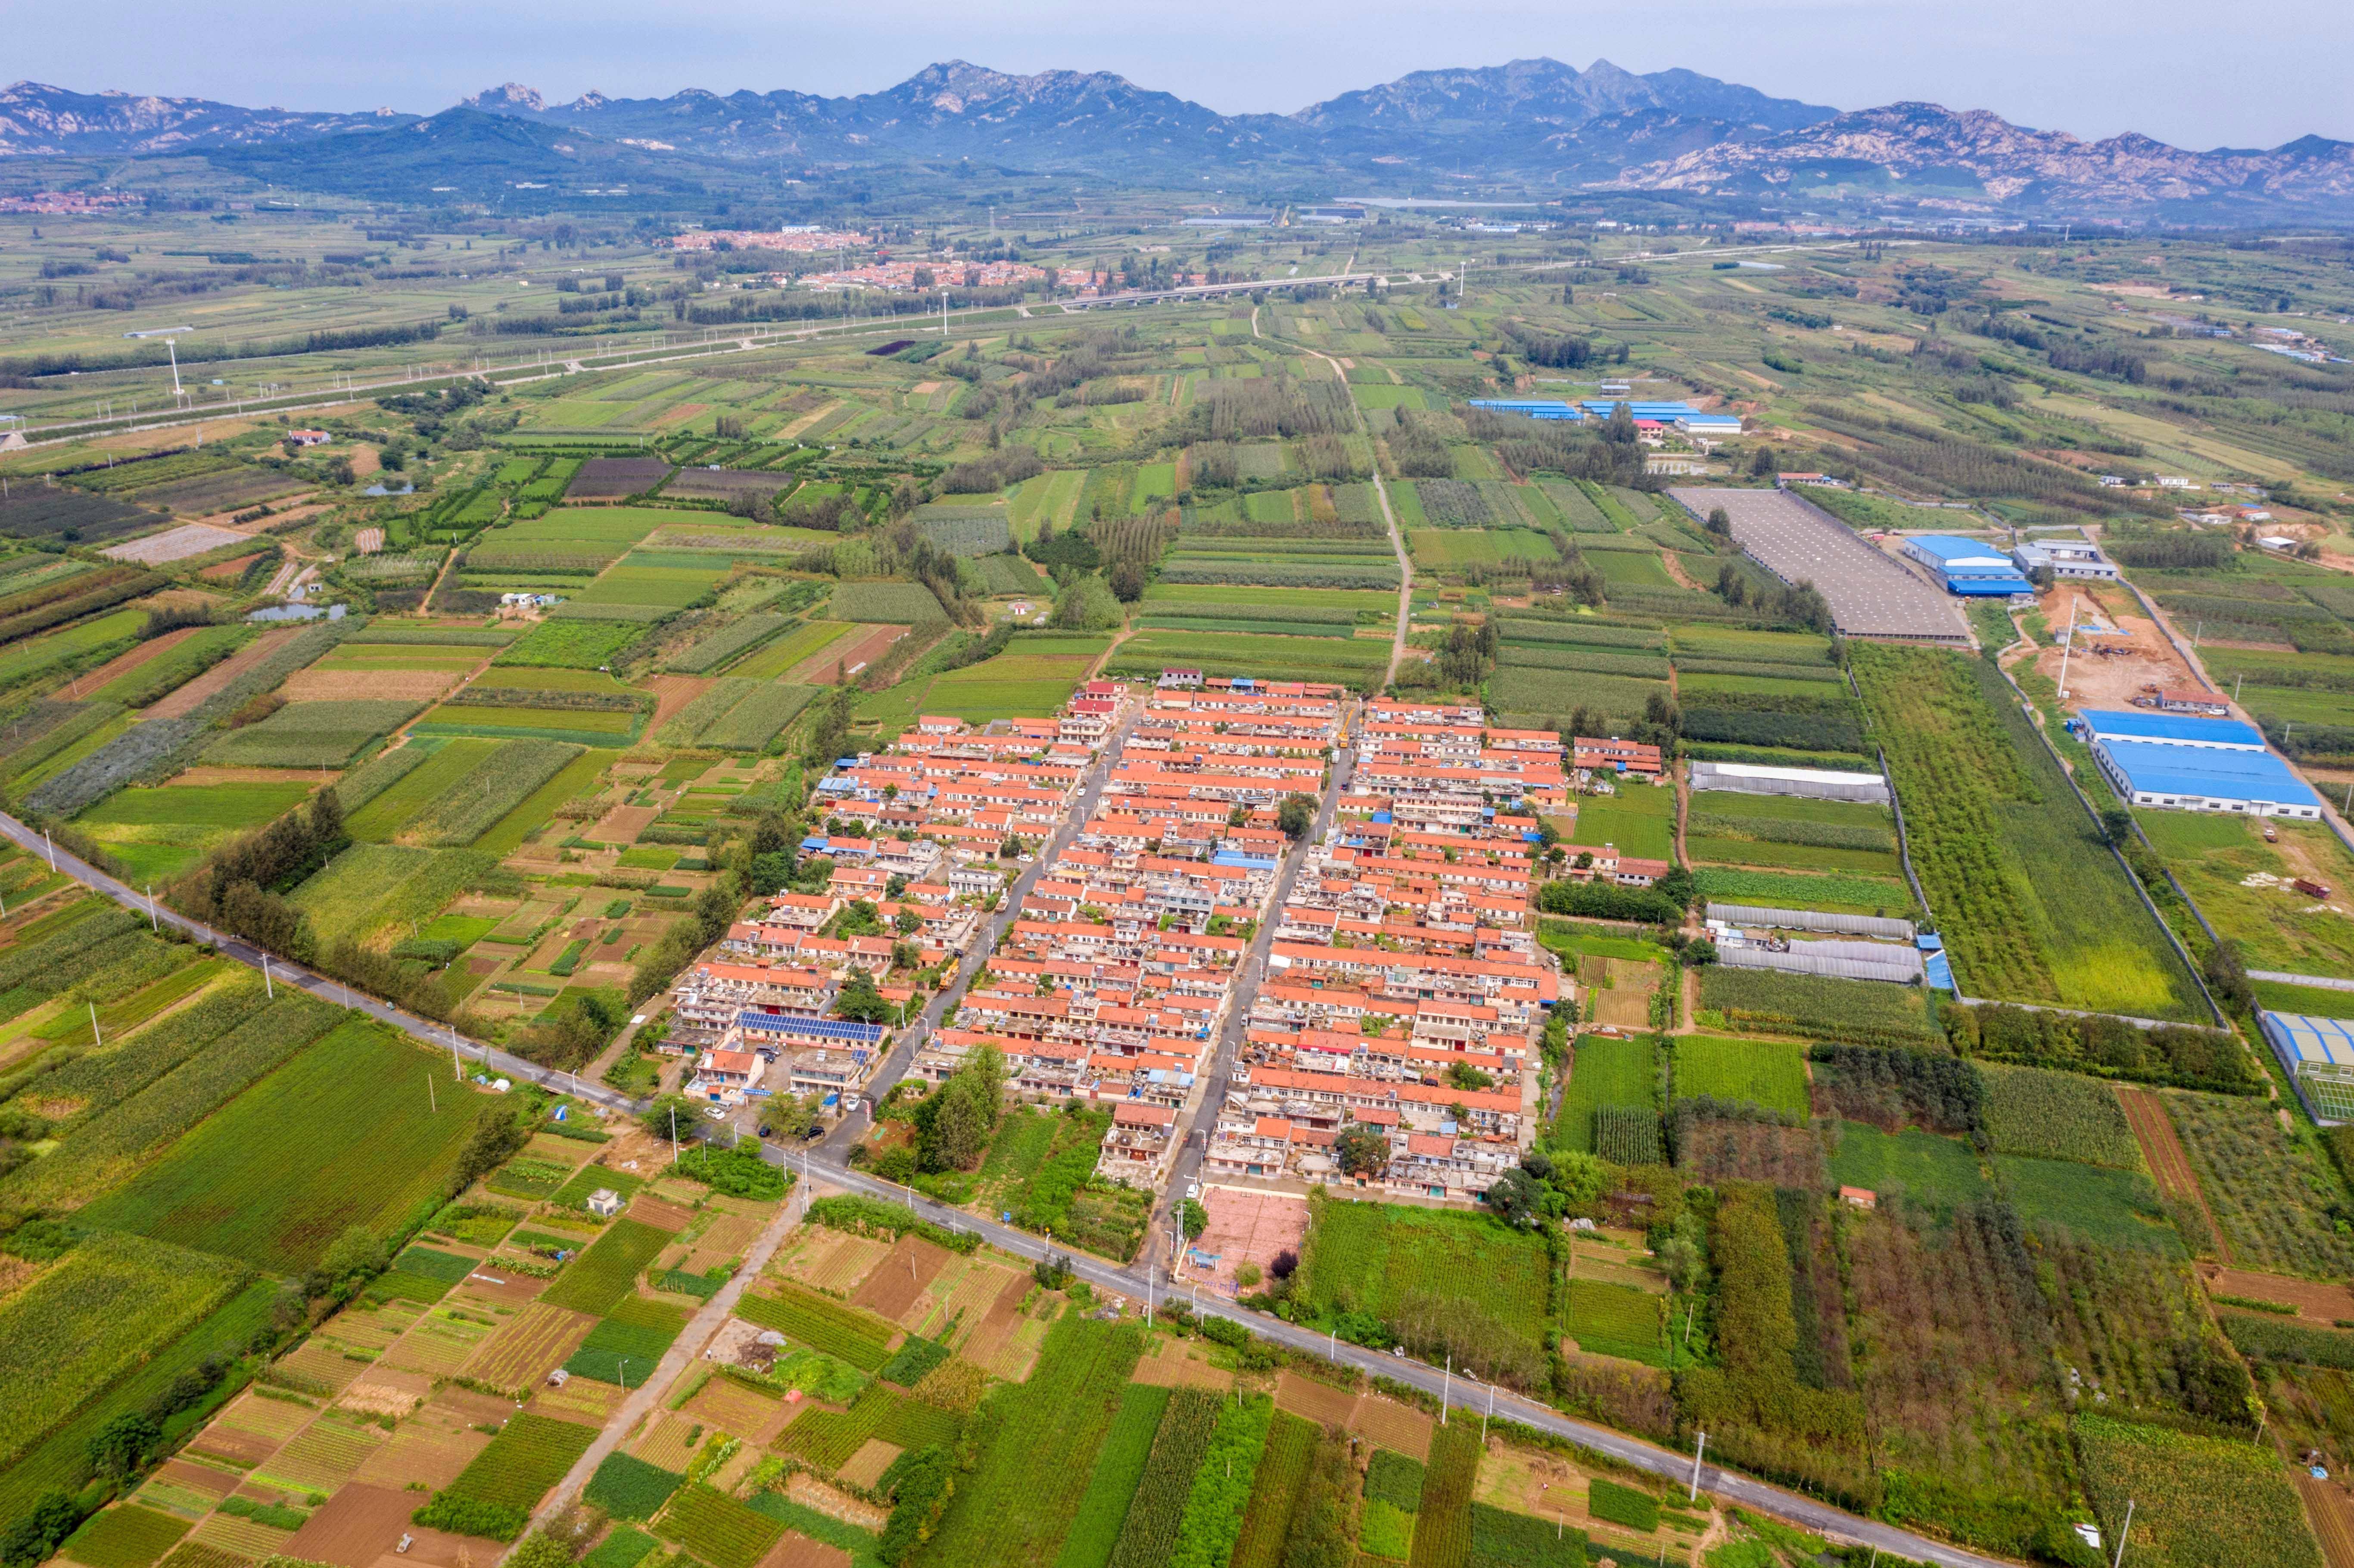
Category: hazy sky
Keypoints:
(2193, 74)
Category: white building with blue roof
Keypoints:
(2173, 761)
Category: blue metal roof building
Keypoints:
(1530, 408)
(1666, 413)
(2171, 729)
(2318, 1055)
(1969, 567)
(2205, 778)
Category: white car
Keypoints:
(1193, 1189)
(717, 1113)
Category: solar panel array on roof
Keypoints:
(844, 1031)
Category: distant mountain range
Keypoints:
(1535, 129)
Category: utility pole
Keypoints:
(673, 1135)
(95, 1039)
(1702, 1448)
(152, 923)
(432, 1103)
(265, 985)
(2122, 1533)
(2067, 647)
(1445, 1385)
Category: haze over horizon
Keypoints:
(2184, 76)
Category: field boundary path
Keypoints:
(1389, 517)
(682, 1354)
(2167, 1162)
(284, 971)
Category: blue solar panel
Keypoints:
(845, 1030)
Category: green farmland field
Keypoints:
(330, 1140)
(1757, 1072)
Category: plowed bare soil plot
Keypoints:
(123, 663)
(2325, 1304)
(732, 1408)
(195, 1478)
(354, 685)
(833, 1262)
(489, 1286)
(528, 1346)
(184, 702)
(2159, 1146)
(900, 1277)
(672, 692)
(993, 1336)
(428, 1449)
(250, 1430)
(725, 1237)
(860, 648)
(663, 1216)
(358, 1525)
(1317, 1401)
(2332, 1513)
(798, 1550)
(610, 478)
(865, 1468)
(1244, 1227)
(1180, 1363)
(1389, 1424)
(622, 825)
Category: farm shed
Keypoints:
(1971, 567)
(2195, 764)
(2318, 1055)
(1838, 960)
(1812, 920)
(1815, 783)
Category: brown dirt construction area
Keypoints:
(1245, 1226)
(2108, 668)
(853, 652)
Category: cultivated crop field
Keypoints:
(2057, 1116)
(240, 1185)
(1426, 1274)
(1754, 1072)
(2267, 1193)
(1992, 823)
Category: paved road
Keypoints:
(849, 1130)
(1471, 1399)
(283, 972)
(1249, 975)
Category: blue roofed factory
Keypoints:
(2195, 764)
(1969, 567)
